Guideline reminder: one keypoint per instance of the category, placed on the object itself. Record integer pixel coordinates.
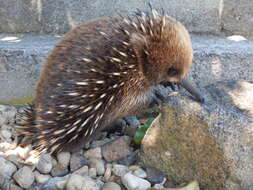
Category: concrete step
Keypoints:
(215, 59)
(57, 16)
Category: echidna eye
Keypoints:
(172, 72)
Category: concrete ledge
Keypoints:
(21, 60)
(215, 59)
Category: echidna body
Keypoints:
(102, 71)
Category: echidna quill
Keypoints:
(104, 70)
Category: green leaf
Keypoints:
(140, 133)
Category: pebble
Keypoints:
(60, 185)
(6, 135)
(5, 146)
(132, 182)
(116, 149)
(15, 160)
(99, 143)
(23, 152)
(111, 186)
(130, 159)
(140, 173)
(88, 184)
(77, 160)
(154, 175)
(93, 153)
(132, 121)
(7, 168)
(108, 173)
(75, 182)
(64, 159)
(93, 172)
(54, 182)
(7, 114)
(82, 171)
(45, 164)
(99, 165)
(120, 170)
(32, 160)
(24, 177)
(158, 186)
(40, 178)
(6, 184)
(59, 170)
(99, 183)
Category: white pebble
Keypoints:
(132, 182)
(140, 173)
(120, 170)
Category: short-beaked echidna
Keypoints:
(101, 71)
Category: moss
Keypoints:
(192, 153)
(22, 101)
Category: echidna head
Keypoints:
(165, 52)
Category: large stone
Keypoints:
(211, 142)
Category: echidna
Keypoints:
(101, 71)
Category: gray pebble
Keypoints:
(7, 168)
(89, 184)
(130, 159)
(99, 165)
(40, 178)
(93, 172)
(45, 164)
(75, 182)
(82, 171)
(24, 177)
(111, 186)
(59, 170)
(132, 121)
(154, 175)
(64, 159)
(93, 153)
(77, 160)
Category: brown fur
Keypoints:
(82, 73)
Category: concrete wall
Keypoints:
(59, 16)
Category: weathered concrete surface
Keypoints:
(21, 61)
(58, 16)
(22, 56)
(212, 143)
(218, 59)
(237, 17)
